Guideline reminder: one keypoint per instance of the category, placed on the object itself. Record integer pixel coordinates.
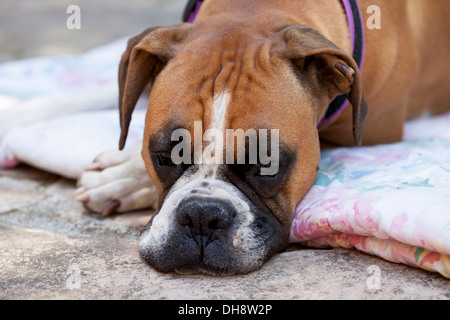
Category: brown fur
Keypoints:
(245, 46)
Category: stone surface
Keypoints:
(51, 248)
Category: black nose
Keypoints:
(204, 219)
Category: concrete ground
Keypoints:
(50, 248)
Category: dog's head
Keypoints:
(231, 138)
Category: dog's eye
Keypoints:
(164, 160)
(272, 176)
(167, 171)
(260, 175)
(248, 170)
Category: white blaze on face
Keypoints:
(220, 106)
(214, 135)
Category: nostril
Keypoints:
(213, 225)
(185, 220)
(187, 224)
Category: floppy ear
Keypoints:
(336, 71)
(145, 56)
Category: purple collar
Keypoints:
(356, 27)
(191, 11)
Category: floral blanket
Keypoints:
(392, 201)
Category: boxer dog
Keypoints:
(291, 65)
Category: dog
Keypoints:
(310, 69)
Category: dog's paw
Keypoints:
(116, 181)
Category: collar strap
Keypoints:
(356, 28)
(191, 10)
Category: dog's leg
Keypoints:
(116, 181)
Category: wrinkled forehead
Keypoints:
(227, 85)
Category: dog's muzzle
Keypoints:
(208, 226)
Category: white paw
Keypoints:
(116, 181)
